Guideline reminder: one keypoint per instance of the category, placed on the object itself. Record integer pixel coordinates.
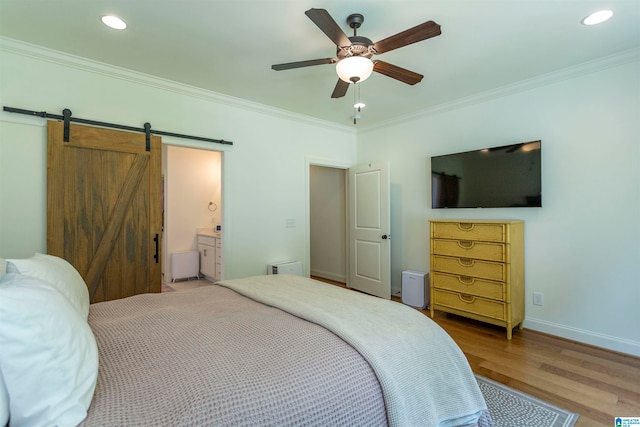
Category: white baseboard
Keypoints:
(608, 342)
(329, 275)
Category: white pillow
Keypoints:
(4, 403)
(49, 356)
(57, 272)
(4, 396)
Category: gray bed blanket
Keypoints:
(211, 357)
(425, 378)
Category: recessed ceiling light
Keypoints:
(114, 22)
(597, 17)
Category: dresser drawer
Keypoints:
(490, 251)
(470, 304)
(469, 231)
(470, 267)
(469, 285)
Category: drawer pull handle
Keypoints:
(466, 280)
(466, 226)
(466, 244)
(466, 262)
(469, 299)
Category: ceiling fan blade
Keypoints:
(412, 35)
(290, 65)
(341, 89)
(325, 22)
(395, 72)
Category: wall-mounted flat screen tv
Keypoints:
(499, 177)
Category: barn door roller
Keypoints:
(66, 116)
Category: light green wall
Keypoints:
(582, 248)
(264, 176)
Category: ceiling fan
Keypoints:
(353, 62)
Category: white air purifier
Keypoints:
(286, 267)
(415, 289)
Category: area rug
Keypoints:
(512, 408)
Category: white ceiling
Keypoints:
(228, 46)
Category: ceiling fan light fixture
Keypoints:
(114, 22)
(597, 17)
(354, 69)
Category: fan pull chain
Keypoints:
(357, 104)
(355, 88)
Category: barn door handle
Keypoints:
(157, 240)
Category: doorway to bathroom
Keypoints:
(192, 199)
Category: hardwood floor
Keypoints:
(596, 383)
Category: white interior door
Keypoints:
(369, 229)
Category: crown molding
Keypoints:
(596, 65)
(84, 64)
(56, 57)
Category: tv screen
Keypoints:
(500, 177)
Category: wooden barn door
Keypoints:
(104, 208)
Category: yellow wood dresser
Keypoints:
(477, 270)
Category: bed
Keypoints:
(271, 350)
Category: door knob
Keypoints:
(386, 236)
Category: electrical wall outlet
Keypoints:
(538, 298)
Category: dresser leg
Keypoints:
(509, 332)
